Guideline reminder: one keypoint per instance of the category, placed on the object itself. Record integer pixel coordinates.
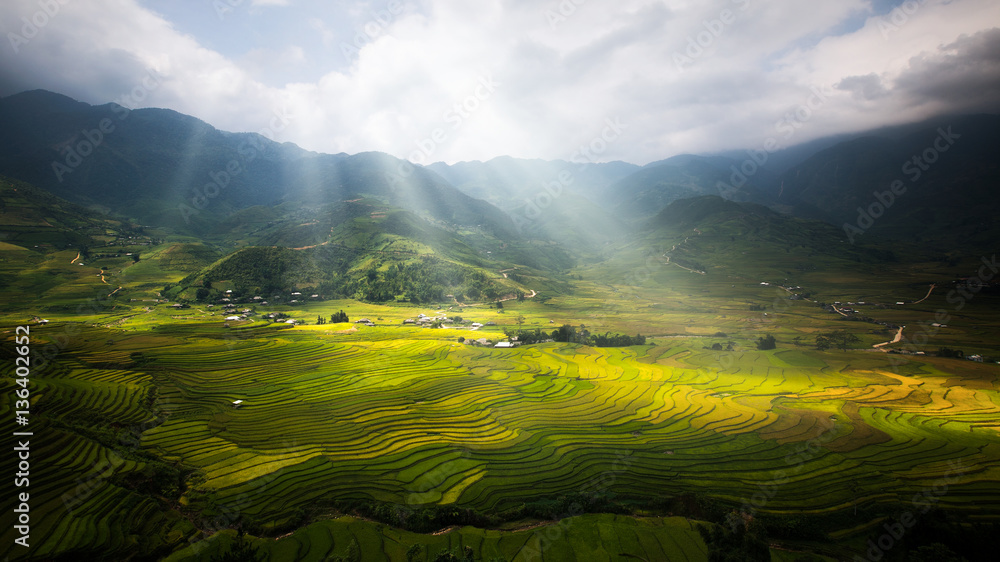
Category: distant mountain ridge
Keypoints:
(170, 169)
(173, 170)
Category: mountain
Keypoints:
(555, 200)
(504, 178)
(169, 169)
(649, 190)
(32, 218)
(710, 233)
(934, 183)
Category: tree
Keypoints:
(823, 343)
(841, 339)
(135, 257)
(240, 551)
(767, 342)
(446, 556)
(414, 552)
(353, 551)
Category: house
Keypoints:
(409, 321)
(290, 321)
(976, 358)
(504, 344)
(900, 303)
(233, 319)
(363, 321)
(237, 403)
(476, 325)
(296, 294)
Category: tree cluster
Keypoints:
(766, 343)
(841, 339)
(569, 334)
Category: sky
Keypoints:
(455, 80)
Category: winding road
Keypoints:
(897, 339)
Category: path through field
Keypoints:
(929, 291)
(76, 258)
(677, 264)
(897, 339)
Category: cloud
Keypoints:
(964, 75)
(389, 75)
(864, 88)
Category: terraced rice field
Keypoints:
(419, 421)
(595, 538)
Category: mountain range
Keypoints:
(928, 184)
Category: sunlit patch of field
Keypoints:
(396, 414)
(409, 416)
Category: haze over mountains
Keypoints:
(168, 169)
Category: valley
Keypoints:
(318, 366)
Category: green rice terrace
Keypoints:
(159, 431)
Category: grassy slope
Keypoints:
(410, 416)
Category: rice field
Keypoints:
(407, 417)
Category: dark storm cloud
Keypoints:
(964, 75)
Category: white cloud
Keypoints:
(555, 85)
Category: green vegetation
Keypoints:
(179, 398)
